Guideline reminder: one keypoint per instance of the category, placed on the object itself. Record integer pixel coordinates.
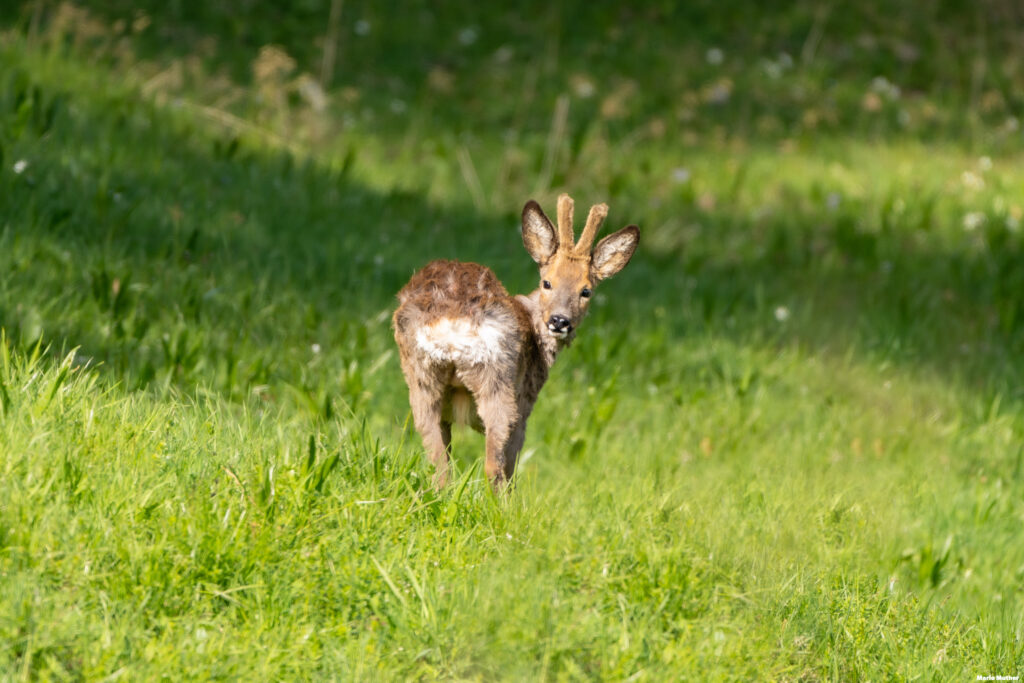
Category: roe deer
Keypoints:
(472, 354)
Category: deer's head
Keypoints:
(570, 270)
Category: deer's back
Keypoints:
(452, 289)
(459, 313)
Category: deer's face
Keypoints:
(568, 271)
(565, 289)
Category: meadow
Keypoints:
(786, 445)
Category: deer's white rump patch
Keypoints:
(463, 341)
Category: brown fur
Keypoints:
(471, 352)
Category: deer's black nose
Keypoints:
(559, 323)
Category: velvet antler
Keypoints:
(598, 212)
(565, 231)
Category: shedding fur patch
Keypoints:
(461, 341)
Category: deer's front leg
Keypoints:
(513, 446)
(498, 413)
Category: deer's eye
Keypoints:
(547, 285)
(585, 293)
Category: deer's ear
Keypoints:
(538, 233)
(613, 252)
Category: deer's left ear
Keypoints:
(613, 252)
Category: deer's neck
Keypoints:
(548, 344)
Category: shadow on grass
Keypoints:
(743, 70)
(904, 295)
(179, 258)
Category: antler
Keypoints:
(595, 218)
(598, 212)
(565, 236)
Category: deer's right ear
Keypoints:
(538, 233)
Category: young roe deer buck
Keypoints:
(473, 354)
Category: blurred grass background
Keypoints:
(787, 443)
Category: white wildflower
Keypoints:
(504, 54)
(781, 313)
(362, 27)
(468, 35)
(774, 68)
(315, 348)
(582, 86)
(715, 56)
(973, 220)
(681, 175)
(19, 166)
(883, 86)
(719, 92)
(971, 180)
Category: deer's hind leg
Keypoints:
(426, 397)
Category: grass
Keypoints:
(786, 445)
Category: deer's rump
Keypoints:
(460, 314)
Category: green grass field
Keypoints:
(787, 444)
